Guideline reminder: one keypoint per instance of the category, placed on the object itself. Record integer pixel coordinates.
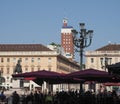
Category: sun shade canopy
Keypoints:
(50, 77)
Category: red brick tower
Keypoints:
(67, 40)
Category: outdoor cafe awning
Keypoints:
(50, 77)
(74, 77)
(94, 75)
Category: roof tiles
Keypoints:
(110, 47)
(23, 47)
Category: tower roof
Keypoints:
(67, 27)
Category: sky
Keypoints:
(40, 21)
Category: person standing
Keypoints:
(16, 98)
(2, 97)
(36, 98)
(49, 98)
(10, 100)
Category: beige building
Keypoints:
(33, 57)
(98, 59)
(109, 54)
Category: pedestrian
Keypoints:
(2, 97)
(16, 98)
(40, 97)
(49, 98)
(36, 97)
(10, 100)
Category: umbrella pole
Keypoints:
(81, 87)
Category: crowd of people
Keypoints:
(62, 97)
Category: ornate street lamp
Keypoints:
(105, 61)
(83, 41)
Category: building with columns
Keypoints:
(33, 57)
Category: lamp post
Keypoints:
(83, 41)
(105, 61)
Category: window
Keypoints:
(39, 60)
(92, 60)
(7, 78)
(8, 70)
(32, 60)
(26, 59)
(20, 59)
(49, 59)
(1, 70)
(8, 59)
(49, 68)
(101, 60)
(26, 69)
(32, 69)
(2, 60)
(110, 61)
(14, 59)
(11, 80)
(38, 69)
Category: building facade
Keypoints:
(106, 55)
(100, 58)
(33, 57)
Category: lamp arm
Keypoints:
(87, 45)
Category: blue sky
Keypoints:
(40, 21)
